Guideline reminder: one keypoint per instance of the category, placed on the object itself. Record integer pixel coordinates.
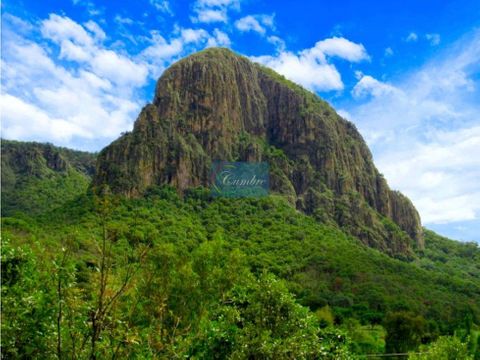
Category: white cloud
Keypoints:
(42, 100)
(307, 72)
(161, 48)
(60, 29)
(162, 6)
(74, 52)
(123, 20)
(433, 38)
(119, 69)
(212, 11)
(249, 23)
(368, 85)
(76, 44)
(219, 38)
(211, 16)
(21, 120)
(441, 175)
(226, 3)
(89, 7)
(424, 132)
(412, 37)
(96, 30)
(388, 52)
(339, 47)
(20, 25)
(193, 35)
(277, 42)
(267, 20)
(256, 23)
(231, 4)
(311, 67)
(344, 114)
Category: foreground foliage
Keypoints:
(165, 277)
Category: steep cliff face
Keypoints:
(216, 105)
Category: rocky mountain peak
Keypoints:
(217, 105)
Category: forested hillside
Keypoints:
(168, 277)
(38, 177)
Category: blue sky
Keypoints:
(407, 73)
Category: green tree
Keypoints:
(117, 267)
(404, 331)
(261, 320)
(325, 316)
(28, 319)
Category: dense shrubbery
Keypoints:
(261, 320)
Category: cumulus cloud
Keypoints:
(339, 47)
(249, 23)
(424, 134)
(441, 174)
(212, 11)
(211, 16)
(161, 48)
(193, 35)
(308, 72)
(60, 104)
(77, 44)
(61, 29)
(118, 69)
(96, 30)
(312, 67)
(278, 42)
(219, 38)
(255, 23)
(22, 118)
(367, 85)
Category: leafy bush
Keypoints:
(444, 348)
